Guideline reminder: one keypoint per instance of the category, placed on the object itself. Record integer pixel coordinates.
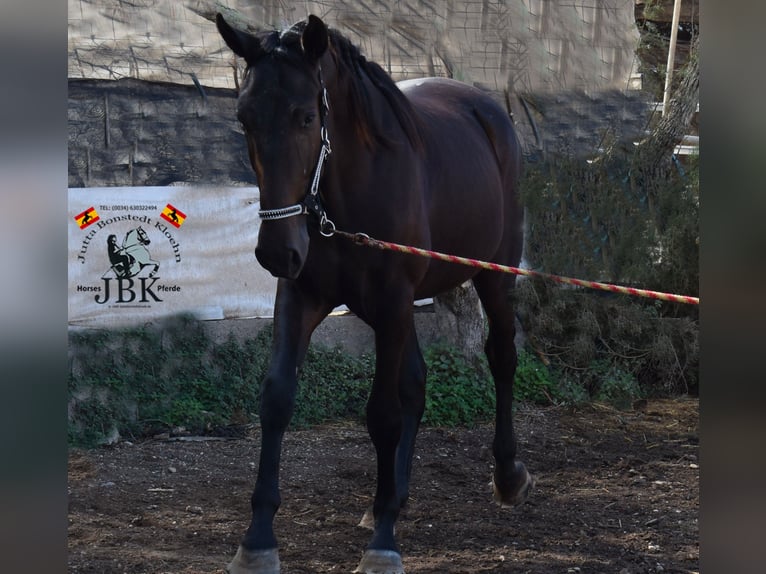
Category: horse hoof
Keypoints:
(514, 492)
(368, 520)
(254, 562)
(380, 562)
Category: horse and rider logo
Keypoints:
(129, 258)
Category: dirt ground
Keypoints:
(617, 492)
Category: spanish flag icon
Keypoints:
(173, 215)
(86, 217)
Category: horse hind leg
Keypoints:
(412, 394)
(250, 561)
(511, 481)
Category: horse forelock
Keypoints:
(285, 44)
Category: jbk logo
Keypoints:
(129, 291)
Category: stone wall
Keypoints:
(139, 133)
(131, 132)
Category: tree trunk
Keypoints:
(655, 152)
(460, 319)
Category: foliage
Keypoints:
(142, 381)
(652, 52)
(601, 381)
(607, 347)
(620, 218)
(534, 382)
(618, 388)
(595, 220)
(458, 391)
(332, 386)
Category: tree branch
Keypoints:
(209, 8)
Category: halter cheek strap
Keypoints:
(312, 202)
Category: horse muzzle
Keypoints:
(282, 248)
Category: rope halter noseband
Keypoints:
(312, 202)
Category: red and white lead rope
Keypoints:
(363, 239)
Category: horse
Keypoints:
(335, 145)
(134, 247)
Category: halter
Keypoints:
(312, 202)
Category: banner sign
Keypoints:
(137, 254)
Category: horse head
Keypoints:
(134, 237)
(143, 239)
(280, 107)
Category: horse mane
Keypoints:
(352, 68)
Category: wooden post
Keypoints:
(88, 171)
(671, 54)
(106, 119)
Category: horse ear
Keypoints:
(241, 43)
(315, 38)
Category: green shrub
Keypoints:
(618, 388)
(534, 382)
(590, 337)
(600, 381)
(617, 221)
(91, 421)
(458, 391)
(142, 381)
(570, 390)
(146, 380)
(332, 385)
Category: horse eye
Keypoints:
(308, 119)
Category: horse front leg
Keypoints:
(296, 315)
(385, 425)
(412, 395)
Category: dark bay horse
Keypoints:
(432, 163)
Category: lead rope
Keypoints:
(366, 240)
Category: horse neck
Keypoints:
(345, 166)
(354, 145)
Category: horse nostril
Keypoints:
(287, 263)
(296, 263)
(263, 258)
